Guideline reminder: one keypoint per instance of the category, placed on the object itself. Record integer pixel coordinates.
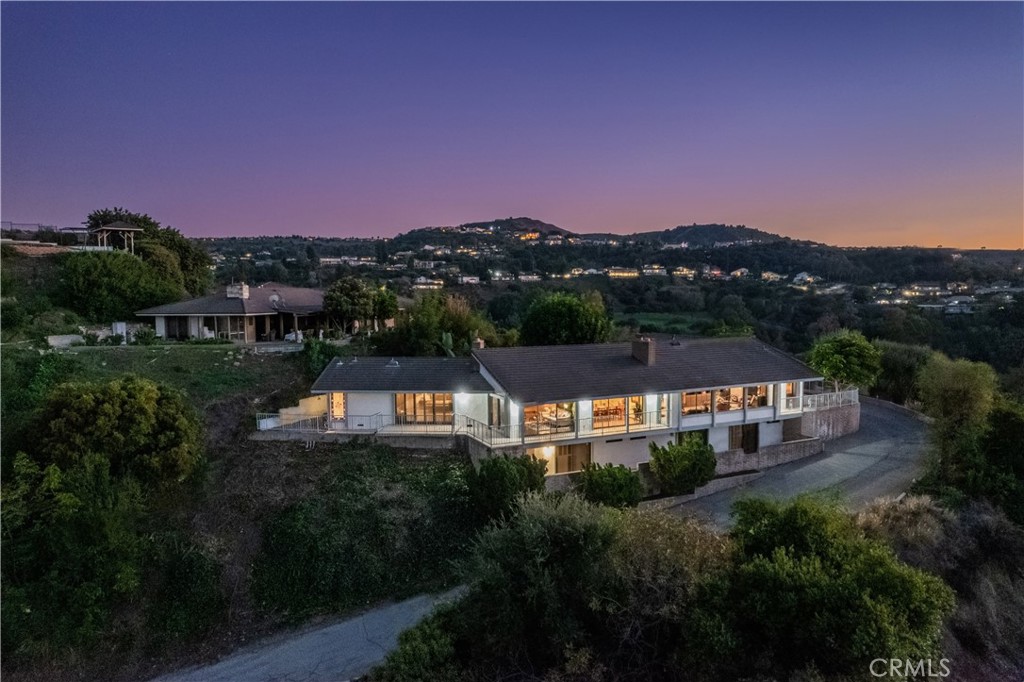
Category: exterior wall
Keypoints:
(626, 450)
(472, 405)
(365, 404)
(308, 407)
(733, 461)
(194, 324)
(832, 423)
(160, 323)
(769, 433)
(719, 438)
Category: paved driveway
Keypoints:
(335, 652)
(882, 458)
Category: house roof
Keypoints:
(541, 374)
(265, 299)
(403, 375)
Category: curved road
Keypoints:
(883, 458)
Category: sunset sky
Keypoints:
(852, 124)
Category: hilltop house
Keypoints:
(572, 405)
(241, 313)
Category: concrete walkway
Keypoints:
(882, 458)
(335, 652)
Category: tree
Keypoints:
(434, 325)
(959, 395)
(193, 262)
(499, 482)
(385, 305)
(104, 287)
(810, 590)
(682, 467)
(563, 318)
(349, 299)
(75, 514)
(611, 485)
(146, 430)
(845, 358)
(901, 364)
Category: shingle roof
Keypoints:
(265, 299)
(540, 374)
(409, 375)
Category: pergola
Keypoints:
(108, 235)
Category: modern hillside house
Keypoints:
(241, 313)
(569, 405)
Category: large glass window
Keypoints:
(609, 413)
(759, 396)
(563, 459)
(636, 409)
(423, 408)
(729, 399)
(549, 418)
(791, 389)
(697, 402)
(337, 405)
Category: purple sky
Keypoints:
(847, 123)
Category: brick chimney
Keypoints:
(238, 290)
(643, 350)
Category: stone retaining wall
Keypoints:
(770, 455)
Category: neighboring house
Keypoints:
(622, 273)
(739, 273)
(684, 272)
(804, 278)
(241, 313)
(572, 405)
(425, 283)
(654, 271)
(469, 279)
(769, 276)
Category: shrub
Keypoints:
(534, 575)
(846, 358)
(188, 600)
(115, 339)
(318, 354)
(611, 485)
(682, 467)
(144, 336)
(809, 589)
(500, 481)
(425, 652)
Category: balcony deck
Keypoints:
(543, 432)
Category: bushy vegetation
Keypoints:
(679, 468)
(568, 590)
(108, 286)
(612, 485)
(381, 527)
(979, 553)
(561, 318)
(901, 365)
(846, 358)
(498, 482)
(438, 324)
(78, 516)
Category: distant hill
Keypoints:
(694, 235)
(518, 225)
(711, 235)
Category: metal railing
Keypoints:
(825, 401)
(634, 422)
(266, 421)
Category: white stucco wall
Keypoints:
(160, 323)
(472, 405)
(719, 438)
(193, 325)
(365, 404)
(626, 451)
(769, 433)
